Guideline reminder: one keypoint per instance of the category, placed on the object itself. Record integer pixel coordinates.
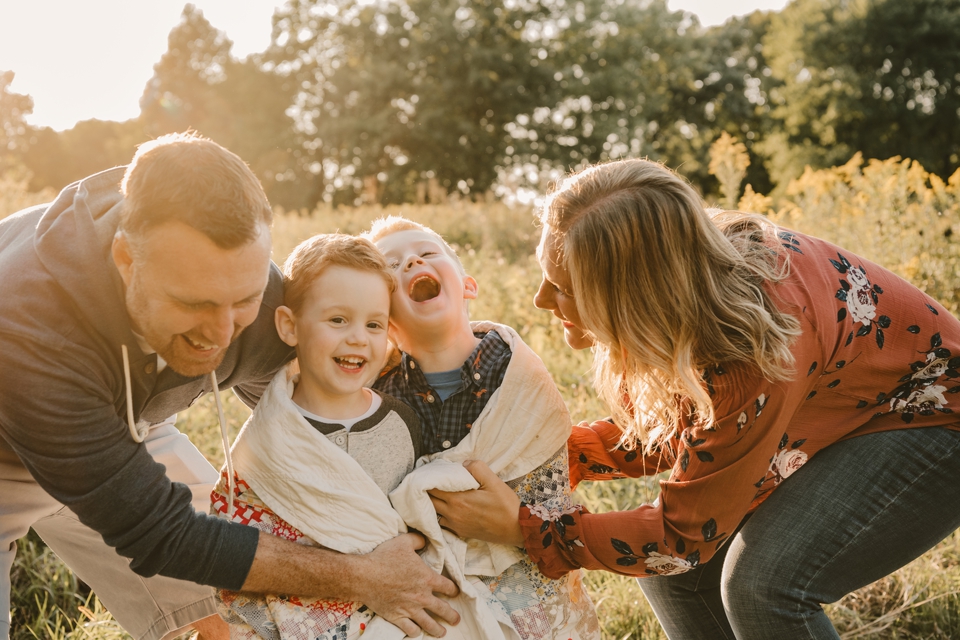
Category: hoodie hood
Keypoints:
(78, 228)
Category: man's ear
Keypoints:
(286, 325)
(470, 288)
(122, 257)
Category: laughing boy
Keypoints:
(480, 394)
(315, 461)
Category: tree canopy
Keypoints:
(367, 101)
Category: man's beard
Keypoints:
(174, 349)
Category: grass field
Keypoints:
(496, 243)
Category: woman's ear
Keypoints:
(286, 325)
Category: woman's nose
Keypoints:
(542, 299)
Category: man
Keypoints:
(116, 303)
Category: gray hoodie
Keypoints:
(62, 398)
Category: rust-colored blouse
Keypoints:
(876, 354)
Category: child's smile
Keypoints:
(350, 363)
(424, 287)
(431, 299)
(341, 337)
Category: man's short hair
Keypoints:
(312, 256)
(389, 225)
(187, 178)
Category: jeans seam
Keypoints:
(865, 527)
(706, 606)
(713, 617)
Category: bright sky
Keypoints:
(82, 59)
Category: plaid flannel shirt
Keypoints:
(446, 423)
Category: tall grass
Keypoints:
(496, 244)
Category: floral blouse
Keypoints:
(876, 354)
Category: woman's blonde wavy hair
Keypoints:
(668, 290)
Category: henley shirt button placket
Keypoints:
(341, 439)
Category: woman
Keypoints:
(800, 396)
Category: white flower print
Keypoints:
(857, 278)
(784, 463)
(859, 299)
(667, 565)
(741, 421)
(545, 514)
(787, 462)
(923, 399)
(935, 368)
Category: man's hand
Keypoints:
(392, 579)
(401, 588)
(489, 513)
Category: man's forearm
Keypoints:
(281, 566)
(392, 579)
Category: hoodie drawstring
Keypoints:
(225, 440)
(138, 437)
(134, 432)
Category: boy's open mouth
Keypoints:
(350, 362)
(424, 288)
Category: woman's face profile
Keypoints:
(556, 292)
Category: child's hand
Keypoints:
(490, 513)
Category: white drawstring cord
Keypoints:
(138, 437)
(225, 440)
(134, 433)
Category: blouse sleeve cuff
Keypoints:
(550, 539)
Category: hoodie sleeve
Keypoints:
(58, 413)
(261, 350)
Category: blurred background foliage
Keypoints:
(407, 101)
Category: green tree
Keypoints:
(183, 91)
(198, 84)
(57, 159)
(632, 78)
(736, 87)
(877, 76)
(410, 90)
(616, 67)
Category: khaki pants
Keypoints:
(147, 608)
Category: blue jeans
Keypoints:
(857, 511)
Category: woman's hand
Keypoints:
(490, 513)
